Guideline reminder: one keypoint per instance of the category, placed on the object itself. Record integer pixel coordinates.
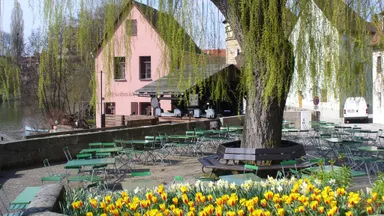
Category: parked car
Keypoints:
(355, 108)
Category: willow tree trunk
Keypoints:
(264, 114)
(263, 122)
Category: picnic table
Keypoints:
(75, 164)
(238, 179)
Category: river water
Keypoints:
(14, 117)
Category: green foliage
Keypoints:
(378, 185)
(9, 79)
(341, 177)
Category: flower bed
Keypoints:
(270, 197)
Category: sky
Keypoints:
(30, 15)
(32, 19)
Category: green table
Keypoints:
(101, 150)
(75, 164)
(240, 178)
(182, 136)
(371, 149)
(26, 196)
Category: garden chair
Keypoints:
(17, 206)
(52, 177)
(289, 163)
(177, 179)
(140, 173)
(78, 156)
(251, 167)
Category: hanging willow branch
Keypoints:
(334, 58)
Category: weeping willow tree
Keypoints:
(326, 49)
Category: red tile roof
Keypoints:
(215, 52)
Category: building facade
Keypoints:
(120, 70)
(323, 49)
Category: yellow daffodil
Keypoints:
(320, 209)
(103, 205)
(231, 202)
(115, 212)
(154, 199)
(190, 213)
(240, 212)
(332, 211)
(175, 200)
(124, 194)
(160, 189)
(89, 214)
(374, 196)
(177, 212)
(230, 213)
(348, 213)
(119, 203)
(164, 196)
(108, 199)
(126, 199)
(133, 206)
(219, 210)
(301, 209)
(263, 203)
(267, 213)
(369, 210)
(268, 195)
(210, 198)
(340, 191)
(280, 212)
(185, 199)
(184, 189)
(162, 207)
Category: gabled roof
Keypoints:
(168, 85)
(178, 82)
(152, 16)
(343, 17)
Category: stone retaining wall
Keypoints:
(33, 151)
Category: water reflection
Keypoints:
(14, 117)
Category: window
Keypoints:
(379, 68)
(110, 108)
(145, 108)
(145, 67)
(132, 27)
(324, 95)
(119, 68)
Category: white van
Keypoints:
(355, 108)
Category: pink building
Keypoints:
(122, 69)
